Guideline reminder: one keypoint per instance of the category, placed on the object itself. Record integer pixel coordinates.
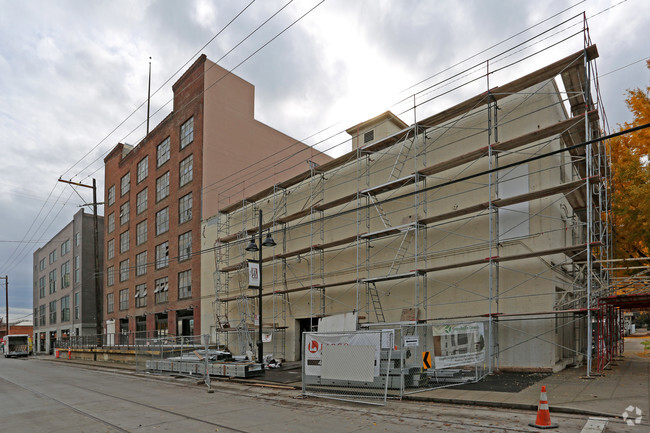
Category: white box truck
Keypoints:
(16, 345)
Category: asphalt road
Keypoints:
(43, 396)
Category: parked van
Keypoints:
(17, 345)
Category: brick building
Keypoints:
(157, 193)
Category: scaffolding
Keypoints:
(494, 208)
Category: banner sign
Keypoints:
(458, 345)
(253, 274)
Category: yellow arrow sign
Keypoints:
(426, 360)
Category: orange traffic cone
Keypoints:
(543, 420)
(69, 354)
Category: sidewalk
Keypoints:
(626, 384)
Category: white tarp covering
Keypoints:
(314, 343)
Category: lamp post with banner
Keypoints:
(255, 279)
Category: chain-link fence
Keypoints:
(376, 364)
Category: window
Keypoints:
(52, 312)
(124, 270)
(65, 308)
(124, 242)
(141, 233)
(110, 303)
(110, 276)
(42, 264)
(161, 290)
(162, 187)
(52, 257)
(162, 152)
(110, 249)
(141, 263)
(77, 269)
(187, 132)
(186, 170)
(41, 287)
(52, 281)
(185, 208)
(65, 247)
(185, 284)
(124, 213)
(36, 317)
(140, 295)
(141, 201)
(41, 315)
(111, 195)
(162, 221)
(143, 169)
(184, 246)
(76, 306)
(77, 239)
(368, 136)
(125, 184)
(124, 299)
(162, 255)
(111, 222)
(65, 275)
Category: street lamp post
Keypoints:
(268, 242)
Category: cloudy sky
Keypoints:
(73, 78)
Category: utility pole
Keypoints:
(98, 289)
(6, 278)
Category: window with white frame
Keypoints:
(141, 263)
(141, 232)
(186, 170)
(162, 255)
(143, 169)
(162, 152)
(65, 274)
(65, 247)
(185, 246)
(124, 299)
(77, 306)
(162, 221)
(185, 284)
(111, 222)
(125, 210)
(77, 269)
(141, 201)
(185, 208)
(125, 184)
(52, 281)
(124, 242)
(161, 290)
(110, 303)
(77, 239)
(162, 187)
(111, 195)
(140, 295)
(124, 270)
(110, 249)
(52, 312)
(110, 276)
(65, 308)
(187, 132)
(52, 257)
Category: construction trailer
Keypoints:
(495, 208)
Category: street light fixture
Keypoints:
(252, 247)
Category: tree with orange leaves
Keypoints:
(631, 180)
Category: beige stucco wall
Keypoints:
(523, 286)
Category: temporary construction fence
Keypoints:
(374, 365)
(191, 357)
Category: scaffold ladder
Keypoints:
(401, 252)
(401, 159)
(245, 341)
(376, 302)
(380, 211)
